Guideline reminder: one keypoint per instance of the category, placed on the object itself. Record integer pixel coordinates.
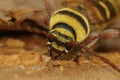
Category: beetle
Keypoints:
(75, 24)
(72, 28)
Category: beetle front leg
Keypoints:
(87, 50)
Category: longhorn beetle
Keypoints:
(72, 28)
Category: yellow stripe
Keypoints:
(57, 47)
(115, 4)
(80, 31)
(98, 13)
(106, 9)
(64, 31)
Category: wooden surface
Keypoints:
(57, 70)
(19, 63)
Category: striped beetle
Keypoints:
(75, 24)
(72, 28)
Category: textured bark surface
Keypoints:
(22, 55)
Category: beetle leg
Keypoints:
(50, 36)
(87, 43)
(110, 33)
(77, 50)
(74, 43)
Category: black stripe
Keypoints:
(111, 8)
(60, 43)
(100, 8)
(65, 26)
(62, 35)
(77, 17)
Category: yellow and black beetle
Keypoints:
(75, 24)
(71, 28)
(67, 25)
